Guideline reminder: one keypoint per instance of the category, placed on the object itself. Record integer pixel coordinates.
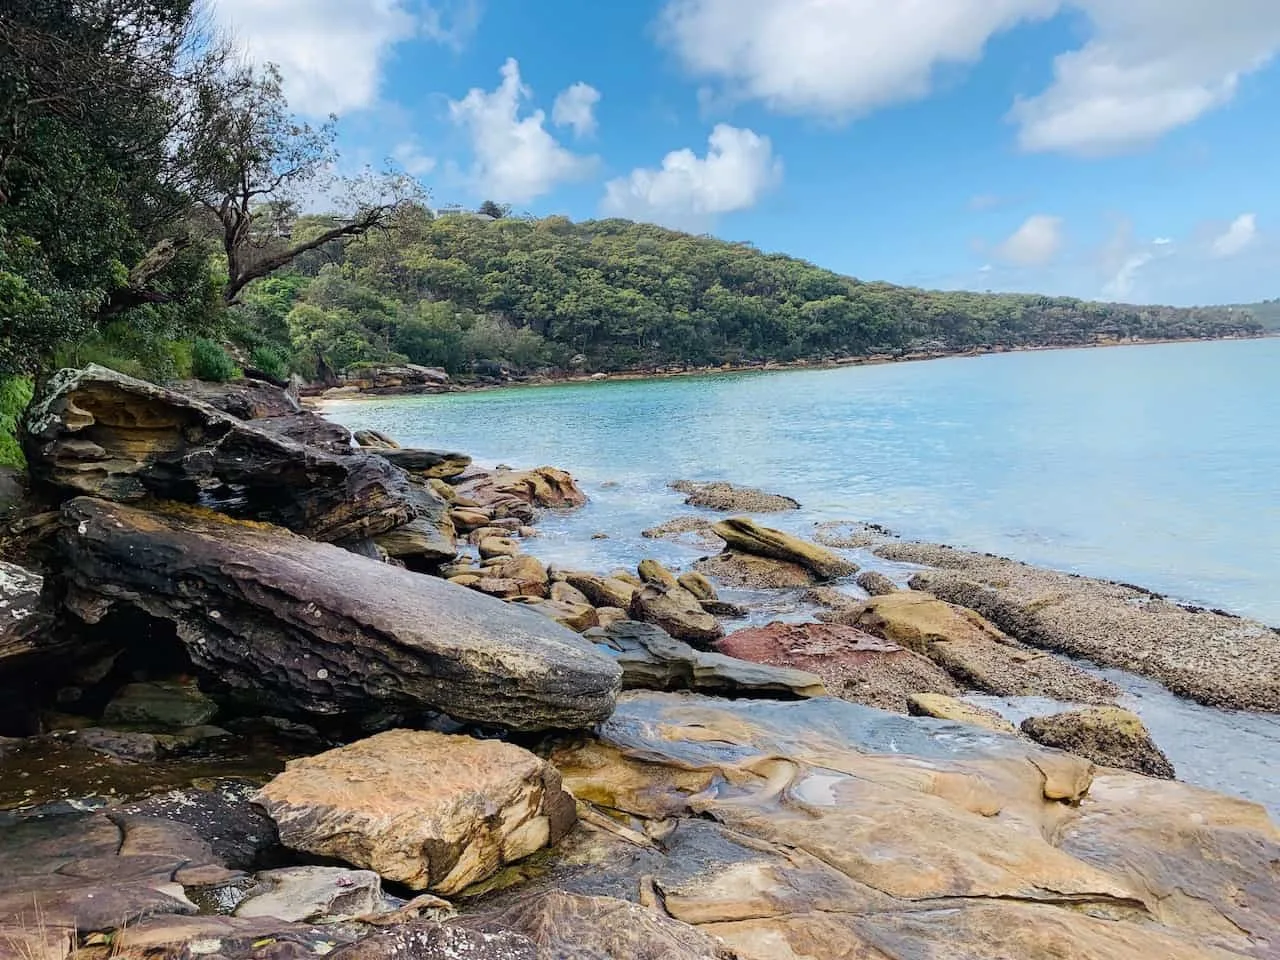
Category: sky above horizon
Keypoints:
(1113, 149)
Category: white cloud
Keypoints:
(1148, 66)
(576, 107)
(516, 158)
(412, 160)
(1035, 243)
(834, 57)
(691, 191)
(1151, 66)
(1238, 237)
(1121, 285)
(453, 24)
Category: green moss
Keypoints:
(15, 394)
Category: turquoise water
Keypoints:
(1157, 465)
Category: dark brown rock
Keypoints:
(98, 432)
(1106, 735)
(427, 463)
(243, 399)
(311, 628)
(312, 430)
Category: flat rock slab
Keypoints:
(312, 893)
(747, 536)
(731, 498)
(1210, 657)
(98, 432)
(431, 811)
(312, 628)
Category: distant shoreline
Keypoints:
(769, 367)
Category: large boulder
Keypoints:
(748, 572)
(601, 591)
(98, 432)
(427, 810)
(974, 651)
(311, 628)
(312, 430)
(540, 487)
(23, 617)
(676, 611)
(1106, 735)
(730, 498)
(244, 399)
(745, 535)
(429, 464)
(651, 659)
(853, 664)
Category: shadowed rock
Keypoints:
(245, 399)
(427, 463)
(311, 628)
(98, 432)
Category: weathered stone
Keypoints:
(467, 519)
(730, 498)
(607, 616)
(601, 591)
(168, 704)
(421, 544)
(540, 487)
(491, 547)
(443, 489)
(576, 616)
(677, 612)
(876, 583)
(13, 491)
(123, 745)
(651, 659)
(307, 627)
(1195, 653)
(225, 938)
(435, 941)
(852, 664)
(698, 585)
(527, 571)
(424, 809)
(749, 572)
(312, 430)
(942, 707)
(244, 399)
(1108, 736)
(694, 531)
(98, 432)
(651, 571)
(563, 592)
(375, 440)
(240, 834)
(312, 893)
(430, 464)
(975, 652)
(745, 535)
(24, 620)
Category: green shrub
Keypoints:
(210, 362)
(15, 394)
(270, 361)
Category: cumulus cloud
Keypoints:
(516, 158)
(1148, 66)
(412, 160)
(576, 107)
(689, 191)
(1236, 238)
(1035, 243)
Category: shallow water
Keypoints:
(1156, 465)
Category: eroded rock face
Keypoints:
(832, 831)
(731, 498)
(310, 628)
(853, 665)
(949, 708)
(98, 432)
(245, 399)
(974, 651)
(676, 611)
(430, 464)
(23, 617)
(747, 536)
(540, 487)
(1106, 735)
(651, 659)
(430, 811)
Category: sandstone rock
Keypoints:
(244, 399)
(312, 430)
(468, 519)
(749, 572)
(626, 576)
(224, 938)
(430, 464)
(564, 592)
(698, 585)
(852, 664)
(310, 628)
(651, 659)
(730, 498)
(746, 536)
(312, 893)
(608, 616)
(1195, 653)
(375, 440)
(99, 432)
(491, 547)
(420, 545)
(651, 571)
(876, 583)
(677, 612)
(975, 652)
(725, 609)
(1108, 736)
(691, 530)
(540, 487)
(24, 620)
(435, 941)
(423, 809)
(942, 707)
(601, 591)
(527, 571)
(168, 704)
(442, 489)
(578, 617)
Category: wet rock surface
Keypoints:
(746, 536)
(312, 628)
(427, 810)
(943, 707)
(1106, 735)
(731, 498)
(540, 487)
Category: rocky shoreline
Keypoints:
(273, 690)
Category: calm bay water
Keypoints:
(1157, 465)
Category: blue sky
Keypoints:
(1117, 149)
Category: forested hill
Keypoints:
(1266, 313)
(612, 294)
